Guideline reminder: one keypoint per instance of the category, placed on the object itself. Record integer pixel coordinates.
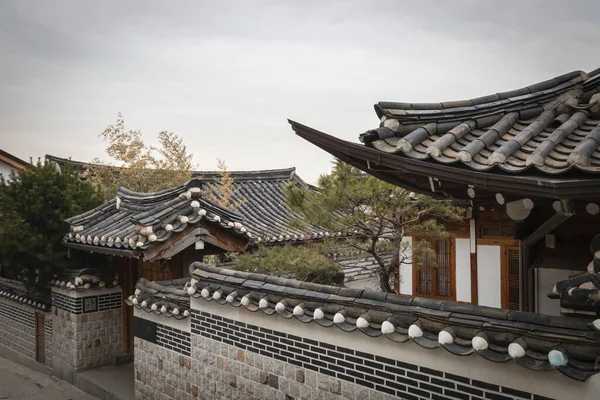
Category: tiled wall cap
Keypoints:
(191, 290)
(205, 293)
(263, 303)
(245, 300)
(281, 306)
(202, 212)
(339, 318)
(480, 342)
(163, 309)
(414, 331)
(516, 350)
(362, 322)
(318, 313)
(298, 311)
(387, 327)
(231, 297)
(446, 336)
(195, 204)
(557, 358)
(154, 307)
(217, 295)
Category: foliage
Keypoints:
(33, 207)
(298, 262)
(223, 192)
(141, 167)
(370, 213)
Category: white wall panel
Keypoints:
(463, 270)
(406, 270)
(488, 276)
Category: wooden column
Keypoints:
(473, 250)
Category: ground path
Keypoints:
(19, 382)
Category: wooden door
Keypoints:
(436, 278)
(510, 277)
(127, 270)
(40, 338)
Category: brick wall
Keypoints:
(17, 329)
(87, 329)
(235, 353)
(232, 359)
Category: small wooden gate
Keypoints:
(40, 338)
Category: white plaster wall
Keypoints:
(406, 270)
(488, 276)
(551, 384)
(463, 270)
(546, 279)
(5, 170)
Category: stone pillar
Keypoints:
(87, 329)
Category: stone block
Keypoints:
(241, 355)
(273, 381)
(264, 377)
(300, 375)
(233, 380)
(336, 387)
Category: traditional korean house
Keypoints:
(154, 236)
(9, 163)
(526, 160)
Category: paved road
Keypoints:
(19, 382)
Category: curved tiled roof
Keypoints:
(17, 291)
(534, 341)
(134, 221)
(264, 209)
(552, 126)
(83, 279)
(167, 298)
(264, 205)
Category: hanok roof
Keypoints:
(167, 298)
(13, 161)
(264, 209)
(83, 279)
(548, 132)
(18, 292)
(136, 223)
(534, 341)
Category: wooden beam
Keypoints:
(176, 243)
(547, 227)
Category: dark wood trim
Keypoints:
(474, 286)
(554, 222)
(497, 242)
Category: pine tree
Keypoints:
(373, 215)
(33, 207)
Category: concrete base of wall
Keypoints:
(13, 356)
(108, 383)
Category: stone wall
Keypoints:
(87, 329)
(18, 326)
(239, 354)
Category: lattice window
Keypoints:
(510, 277)
(435, 278)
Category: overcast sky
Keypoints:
(227, 75)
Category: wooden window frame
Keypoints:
(504, 271)
(452, 270)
